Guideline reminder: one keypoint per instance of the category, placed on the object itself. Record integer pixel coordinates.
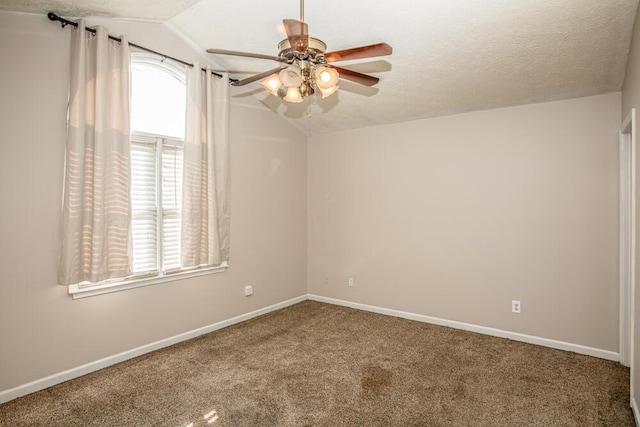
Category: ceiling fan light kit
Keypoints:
(306, 68)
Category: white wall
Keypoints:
(42, 330)
(454, 217)
(631, 99)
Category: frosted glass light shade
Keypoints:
(271, 84)
(293, 95)
(291, 77)
(326, 77)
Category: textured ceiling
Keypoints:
(450, 56)
(148, 10)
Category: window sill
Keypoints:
(84, 291)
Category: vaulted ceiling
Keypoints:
(449, 56)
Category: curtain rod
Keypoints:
(64, 22)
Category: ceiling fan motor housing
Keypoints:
(315, 50)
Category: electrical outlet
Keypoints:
(350, 281)
(248, 290)
(515, 307)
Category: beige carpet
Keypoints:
(318, 364)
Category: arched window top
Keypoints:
(158, 96)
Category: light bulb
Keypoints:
(326, 77)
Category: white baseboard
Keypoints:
(636, 413)
(530, 339)
(42, 383)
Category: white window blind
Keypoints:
(156, 198)
(172, 156)
(144, 205)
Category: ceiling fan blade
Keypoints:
(379, 49)
(257, 77)
(297, 33)
(246, 54)
(354, 76)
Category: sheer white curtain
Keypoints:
(96, 242)
(205, 185)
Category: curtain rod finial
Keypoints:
(52, 16)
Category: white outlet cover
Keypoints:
(248, 290)
(516, 307)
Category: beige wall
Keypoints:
(631, 87)
(631, 99)
(42, 330)
(454, 217)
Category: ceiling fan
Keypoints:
(306, 67)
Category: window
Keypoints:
(158, 97)
(158, 112)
